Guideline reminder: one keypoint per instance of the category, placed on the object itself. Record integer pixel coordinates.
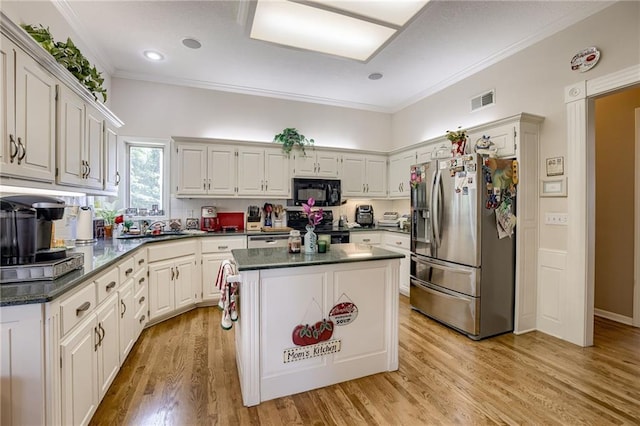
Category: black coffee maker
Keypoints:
(26, 226)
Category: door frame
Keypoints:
(636, 244)
(577, 325)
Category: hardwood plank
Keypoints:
(183, 372)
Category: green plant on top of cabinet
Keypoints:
(364, 175)
(315, 164)
(263, 172)
(399, 174)
(28, 112)
(205, 169)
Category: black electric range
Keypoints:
(299, 220)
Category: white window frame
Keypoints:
(128, 141)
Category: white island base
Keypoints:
(273, 302)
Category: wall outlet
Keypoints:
(556, 218)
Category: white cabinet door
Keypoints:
(191, 169)
(108, 352)
(304, 165)
(376, 176)
(503, 138)
(401, 243)
(35, 112)
(94, 147)
(327, 164)
(186, 282)
(400, 174)
(210, 265)
(161, 294)
(111, 171)
(79, 379)
(222, 177)
(353, 175)
(71, 133)
(127, 309)
(276, 173)
(251, 179)
(7, 97)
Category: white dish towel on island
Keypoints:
(228, 294)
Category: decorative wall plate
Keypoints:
(585, 59)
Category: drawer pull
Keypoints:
(103, 333)
(111, 285)
(142, 318)
(177, 272)
(223, 247)
(142, 299)
(141, 280)
(125, 308)
(128, 271)
(173, 274)
(85, 306)
(95, 347)
(366, 240)
(399, 243)
(140, 262)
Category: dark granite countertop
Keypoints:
(98, 257)
(279, 257)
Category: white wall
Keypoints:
(531, 81)
(161, 110)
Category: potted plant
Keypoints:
(290, 137)
(70, 57)
(109, 213)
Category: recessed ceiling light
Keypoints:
(191, 43)
(152, 55)
(375, 76)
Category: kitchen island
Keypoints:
(309, 321)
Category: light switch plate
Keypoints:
(556, 218)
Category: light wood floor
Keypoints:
(183, 372)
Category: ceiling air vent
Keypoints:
(481, 101)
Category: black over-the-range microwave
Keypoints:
(325, 192)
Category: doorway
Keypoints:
(616, 217)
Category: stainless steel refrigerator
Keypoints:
(462, 273)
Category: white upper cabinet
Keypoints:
(263, 172)
(504, 139)
(315, 164)
(111, 156)
(205, 169)
(28, 116)
(364, 175)
(399, 174)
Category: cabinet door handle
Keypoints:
(13, 146)
(366, 240)
(142, 299)
(117, 178)
(84, 307)
(88, 169)
(363, 190)
(103, 333)
(111, 285)
(209, 183)
(128, 271)
(399, 243)
(173, 274)
(140, 262)
(261, 185)
(367, 187)
(204, 185)
(142, 318)
(266, 185)
(124, 307)
(177, 272)
(141, 280)
(95, 346)
(24, 150)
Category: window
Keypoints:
(147, 175)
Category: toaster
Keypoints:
(364, 215)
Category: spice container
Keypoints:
(294, 242)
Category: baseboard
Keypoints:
(613, 316)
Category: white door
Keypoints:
(70, 121)
(376, 181)
(111, 173)
(353, 175)
(327, 164)
(35, 93)
(186, 282)
(108, 348)
(276, 173)
(80, 373)
(161, 296)
(94, 148)
(222, 179)
(192, 169)
(251, 171)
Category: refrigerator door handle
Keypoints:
(435, 206)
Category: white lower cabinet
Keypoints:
(90, 361)
(366, 237)
(174, 279)
(214, 251)
(400, 243)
